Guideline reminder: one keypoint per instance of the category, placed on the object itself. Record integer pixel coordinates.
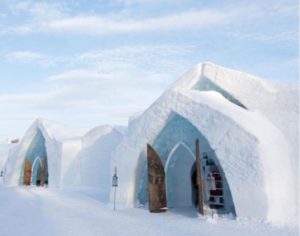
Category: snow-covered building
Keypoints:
(52, 155)
(35, 157)
(249, 147)
(247, 128)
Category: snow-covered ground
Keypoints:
(41, 211)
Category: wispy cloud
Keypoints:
(30, 57)
(156, 56)
(111, 63)
(110, 83)
(56, 17)
(143, 67)
(38, 10)
(112, 103)
(285, 36)
(46, 17)
(77, 74)
(124, 24)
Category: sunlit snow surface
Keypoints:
(39, 211)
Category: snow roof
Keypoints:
(99, 131)
(53, 130)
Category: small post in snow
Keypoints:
(2, 176)
(115, 185)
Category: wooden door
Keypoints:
(199, 179)
(156, 182)
(27, 172)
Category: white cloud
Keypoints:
(80, 103)
(30, 57)
(78, 74)
(284, 36)
(148, 65)
(89, 81)
(159, 57)
(144, 67)
(130, 2)
(38, 10)
(123, 24)
(45, 17)
(59, 17)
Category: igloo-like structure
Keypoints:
(52, 155)
(36, 160)
(248, 146)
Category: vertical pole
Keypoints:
(115, 198)
(199, 179)
(115, 185)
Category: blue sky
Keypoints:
(85, 63)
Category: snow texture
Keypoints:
(31, 211)
(86, 162)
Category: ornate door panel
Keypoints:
(27, 173)
(156, 182)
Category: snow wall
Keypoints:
(86, 162)
(240, 117)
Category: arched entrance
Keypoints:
(179, 177)
(36, 172)
(172, 154)
(35, 167)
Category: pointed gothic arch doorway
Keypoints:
(179, 177)
(36, 171)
